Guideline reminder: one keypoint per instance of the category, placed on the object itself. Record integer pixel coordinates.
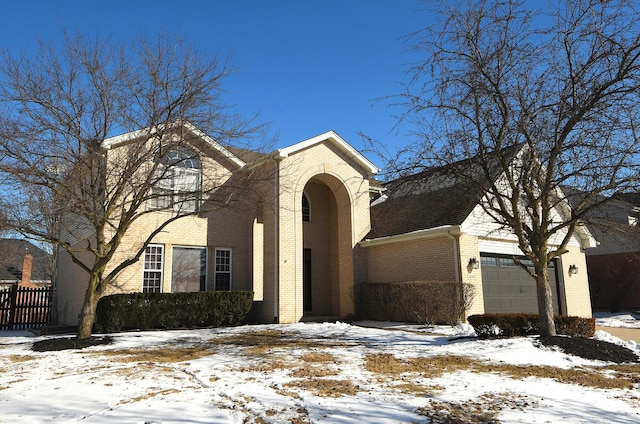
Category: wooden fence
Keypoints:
(22, 308)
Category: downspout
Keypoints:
(456, 253)
(276, 242)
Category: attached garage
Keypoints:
(507, 288)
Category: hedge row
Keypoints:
(513, 325)
(172, 310)
(424, 302)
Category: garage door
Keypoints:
(508, 288)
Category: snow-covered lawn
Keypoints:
(316, 373)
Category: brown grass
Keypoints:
(20, 358)
(411, 388)
(267, 340)
(432, 367)
(482, 410)
(325, 387)
(313, 372)
(159, 354)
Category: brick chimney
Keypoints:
(27, 266)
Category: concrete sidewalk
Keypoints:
(622, 333)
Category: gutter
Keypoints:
(276, 241)
(454, 235)
(445, 230)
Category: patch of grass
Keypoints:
(318, 357)
(384, 363)
(432, 367)
(312, 372)
(590, 377)
(266, 340)
(266, 365)
(20, 358)
(325, 387)
(482, 410)
(416, 389)
(159, 354)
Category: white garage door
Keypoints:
(508, 288)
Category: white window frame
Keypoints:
(168, 191)
(306, 214)
(216, 272)
(147, 268)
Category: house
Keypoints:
(304, 235)
(22, 262)
(614, 265)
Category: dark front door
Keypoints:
(306, 280)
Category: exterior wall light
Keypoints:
(573, 269)
(473, 263)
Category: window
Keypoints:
(222, 275)
(306, 209)
(152, 269)
(178, 181)
(488, 261)
(188, 269)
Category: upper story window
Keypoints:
(306, 209)
(179, 181)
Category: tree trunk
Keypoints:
(545, 302)
(88, 312)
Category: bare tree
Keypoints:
(521, 103)
(72, 183)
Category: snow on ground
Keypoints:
(620, 320)
(298, 373)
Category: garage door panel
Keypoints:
(507, 288)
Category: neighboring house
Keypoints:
(308, 233)
(614, 266)
(23, 262)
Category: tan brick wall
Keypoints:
(469, 249)
(576, 286)
(326, 165)
(421, 259)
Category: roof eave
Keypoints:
(445, 230)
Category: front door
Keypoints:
(306, 280)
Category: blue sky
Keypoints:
(306, 66)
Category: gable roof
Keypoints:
(112, 142)
(335, 140)
(12, 253)
(433, 198)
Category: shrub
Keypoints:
(172, 310)
(512, 325)
(425, 302)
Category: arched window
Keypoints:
(178, 181)
(306, 209)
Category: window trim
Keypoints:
(160, 271)
(215, 268)
(306, 214)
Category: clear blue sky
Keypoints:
(307, 66)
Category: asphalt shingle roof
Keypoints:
(12, 253)
(432, 198)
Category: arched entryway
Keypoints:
(327, 251)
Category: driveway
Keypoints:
(623, 333)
